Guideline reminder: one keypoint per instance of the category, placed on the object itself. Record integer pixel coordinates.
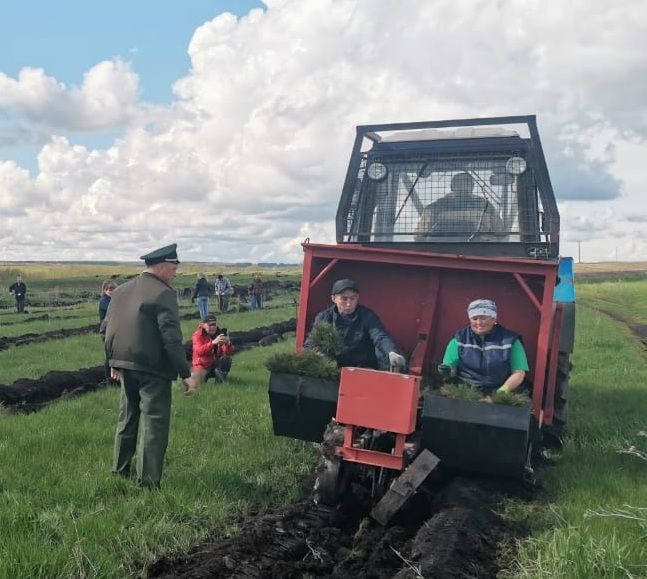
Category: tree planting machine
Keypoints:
(421, 248)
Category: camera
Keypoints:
(223, 332)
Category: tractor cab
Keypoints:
(469, 187)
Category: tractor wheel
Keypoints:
(330, 482)
(556, 432)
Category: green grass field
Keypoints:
(591, 521)
(62, 514)
(622, 299)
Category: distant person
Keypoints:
(145, 350)
(367, 343)
(107, 287)
(460, 214)
(223, 289)
(255, 291)
(485, 354)
(201, 295)
(212, 350)
(19, 290)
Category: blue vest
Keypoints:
(485, 360)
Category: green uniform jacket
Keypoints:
(143, 329)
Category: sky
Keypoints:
(226, 126)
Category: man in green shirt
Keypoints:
(489, 356)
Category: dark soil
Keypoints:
(33, 338)
(449, 529)
(26, 395)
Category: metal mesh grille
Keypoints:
(457, 198)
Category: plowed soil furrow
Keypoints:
(450, 529)
(33, 338)
(28, 395)
(236, 337)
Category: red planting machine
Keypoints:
(419, 273)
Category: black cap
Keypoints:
(343, 284)
(209, 319)
(166, 254)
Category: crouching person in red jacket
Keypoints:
(212, 351)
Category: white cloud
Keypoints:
(107, 97)
(250, 158)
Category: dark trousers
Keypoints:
(223, 303)
(147, 399)
(20, 303)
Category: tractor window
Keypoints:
(492, 198)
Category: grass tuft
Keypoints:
(304, 363)
(461, 391)
(510, 399)
(326, 339)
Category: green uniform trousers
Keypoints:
(146, 397)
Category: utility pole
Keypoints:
(579, 251)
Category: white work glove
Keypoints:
(397, 362)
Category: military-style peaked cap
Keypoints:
(161, 255)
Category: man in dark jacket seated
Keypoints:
(367, 343)
(486, 354)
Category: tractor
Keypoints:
(420, 254)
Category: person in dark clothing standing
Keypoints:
(19, 290)
(145, 350)
(107, 287)
(367, 343)
(201, 294)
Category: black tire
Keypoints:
(329, 484)
(555, 433)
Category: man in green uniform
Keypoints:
(145, 353)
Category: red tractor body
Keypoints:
(433, 216)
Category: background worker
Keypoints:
(485, 353)
(367, 343)
(145, 351)
(223, 289)
(107, 287)
(19, 290)
(255, 291)
(212, 351)
(201, 295)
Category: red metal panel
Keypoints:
(379, 400)
(551, 381)
(394, 461)
(304, 300)
(425, 325)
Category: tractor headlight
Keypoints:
(376, 171)
(515, 166)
